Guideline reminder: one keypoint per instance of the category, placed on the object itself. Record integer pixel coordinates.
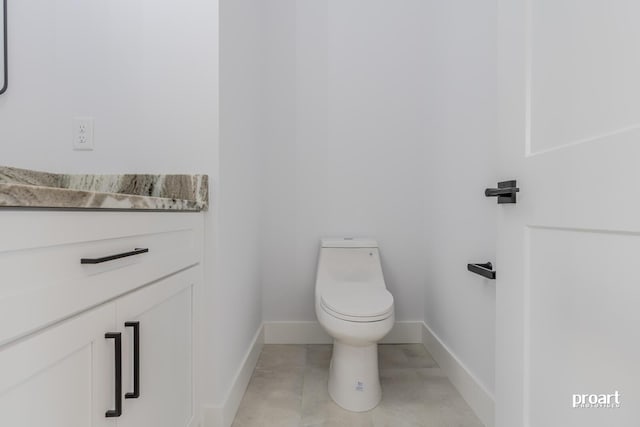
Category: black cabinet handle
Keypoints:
(136, 251)
(117, 336)
(506, 192)
(485, 270)
(136, 360)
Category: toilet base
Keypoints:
(354, 381)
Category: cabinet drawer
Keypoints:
(43, 280)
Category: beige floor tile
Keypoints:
(289, 388)
(273, 398)
(282, 356)
(343, 419)
(410, 415)
(417, 356)
(319, 356)
(409, 399)
(457, 413)
(391, 357)
(315, 397)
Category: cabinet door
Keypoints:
(163, 313)
(62, 376)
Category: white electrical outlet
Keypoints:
(83, 133)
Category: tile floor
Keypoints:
(289, 389)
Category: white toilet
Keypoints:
(355, 308)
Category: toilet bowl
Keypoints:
(355, 308)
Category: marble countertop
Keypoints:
(23, 188)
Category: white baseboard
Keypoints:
(313, 333)
(474, 393)
(222, 416)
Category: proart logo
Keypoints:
(597, 400)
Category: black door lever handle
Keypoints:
(485, 270)
(506, 192)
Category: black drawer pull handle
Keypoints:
(136, 251)
(506, 192)
(136, 360)
(117, 336)
(485, 270)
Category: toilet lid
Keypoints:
(357, 299)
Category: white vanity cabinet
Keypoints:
(78, 341)
(163, 313)
(62, 376)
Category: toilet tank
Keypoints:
(349, 260)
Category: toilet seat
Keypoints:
(357, 302)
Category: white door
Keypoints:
(62, 376)
(163, 314)
(568, 265)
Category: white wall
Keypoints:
(146, 70)
(236, 313)
(460, 306)
(346, 137)
(380, 122)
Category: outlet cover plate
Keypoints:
(83, 133)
